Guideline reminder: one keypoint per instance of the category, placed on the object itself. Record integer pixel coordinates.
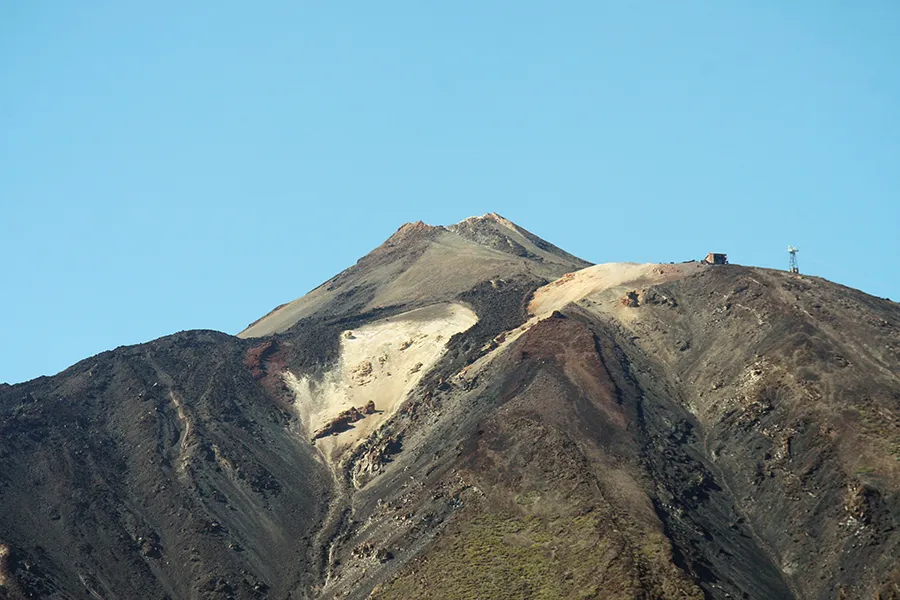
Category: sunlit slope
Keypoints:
(422, 264)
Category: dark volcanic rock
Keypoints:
(134, 464)
(731, 433)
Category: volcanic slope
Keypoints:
(185, 468)
(423, 264)
(471, 412)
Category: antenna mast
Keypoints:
(793, 262)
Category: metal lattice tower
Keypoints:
(793, 264)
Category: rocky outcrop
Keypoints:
(256, 356)
(631, 299)
(4, 564)
(369, 550)
(345, 420)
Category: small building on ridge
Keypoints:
(714, 258)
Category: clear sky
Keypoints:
(180, 165)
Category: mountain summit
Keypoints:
(471, 412)
(424, 263)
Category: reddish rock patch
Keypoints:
(256, 356)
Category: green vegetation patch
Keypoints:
(501, 556)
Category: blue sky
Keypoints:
(183, 165)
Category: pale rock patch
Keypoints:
(588, 287)
(379, 362)
(4, 557)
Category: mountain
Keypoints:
(423, 264)
(471, 412)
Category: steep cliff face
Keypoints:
(471, 412)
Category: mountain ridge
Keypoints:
(416, 252)
(475, 412)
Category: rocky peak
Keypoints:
(414, 230)
(498, 233)
(489, 230)
(408, 236)
(488, 217)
